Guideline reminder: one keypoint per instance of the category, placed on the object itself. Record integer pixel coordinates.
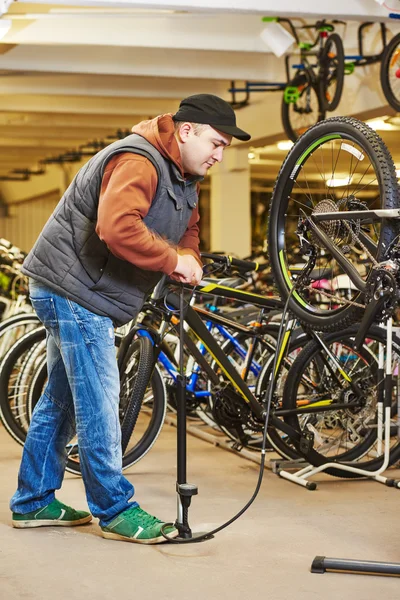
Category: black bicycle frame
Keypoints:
(366, 216)
(260, 410)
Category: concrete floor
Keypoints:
(266, 554)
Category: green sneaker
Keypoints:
(56, 514)
(136, 525)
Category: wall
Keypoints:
(25, 219)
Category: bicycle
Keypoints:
(315, 88)
(247, 346)
(328, 232)
(251, 351)
(238, 405)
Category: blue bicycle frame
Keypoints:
(192, 380)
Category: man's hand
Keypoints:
(187, 270)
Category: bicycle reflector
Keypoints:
(291, 94)
(349, 68)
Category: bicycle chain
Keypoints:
(338, 299)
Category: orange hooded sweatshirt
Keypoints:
(128, 187)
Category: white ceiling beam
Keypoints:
(228, 32)
(155, 62)
(342, 9)
(237, 33)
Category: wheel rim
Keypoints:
(349, 433)
(333, 173)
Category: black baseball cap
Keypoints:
(210, 110)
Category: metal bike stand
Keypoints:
(322, 564)
(384, 413)
(184, 489)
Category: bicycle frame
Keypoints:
(192, 379)
(385, 384)
(305, 50)
(258, 407)
(366, 216)
(202, 332)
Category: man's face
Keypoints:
(201, 150)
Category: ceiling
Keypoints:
(77, 75)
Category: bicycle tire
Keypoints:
(31, 361)
(310, 97)
(11, 328)
(331, 72)
(137, 367)
(391, 54)
(357, 427)
(7, 365)
(338, 132)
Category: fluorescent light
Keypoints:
(380, 125)
(336, 182)
(285, 145)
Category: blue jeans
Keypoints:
(82, 397)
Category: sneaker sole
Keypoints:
(123, 538)
(50, 523)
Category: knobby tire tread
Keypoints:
(367, 138)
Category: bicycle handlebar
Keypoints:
(244, 266)
(319, 25)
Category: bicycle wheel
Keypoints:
(343, 383)
(135, 375)
(304, 110)
(14, 381)
(149, 418)
(338, 165)
(15, 327)
(390, 72)
(331, 74)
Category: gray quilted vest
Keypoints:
(69, 256)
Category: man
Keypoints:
(129, 216)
